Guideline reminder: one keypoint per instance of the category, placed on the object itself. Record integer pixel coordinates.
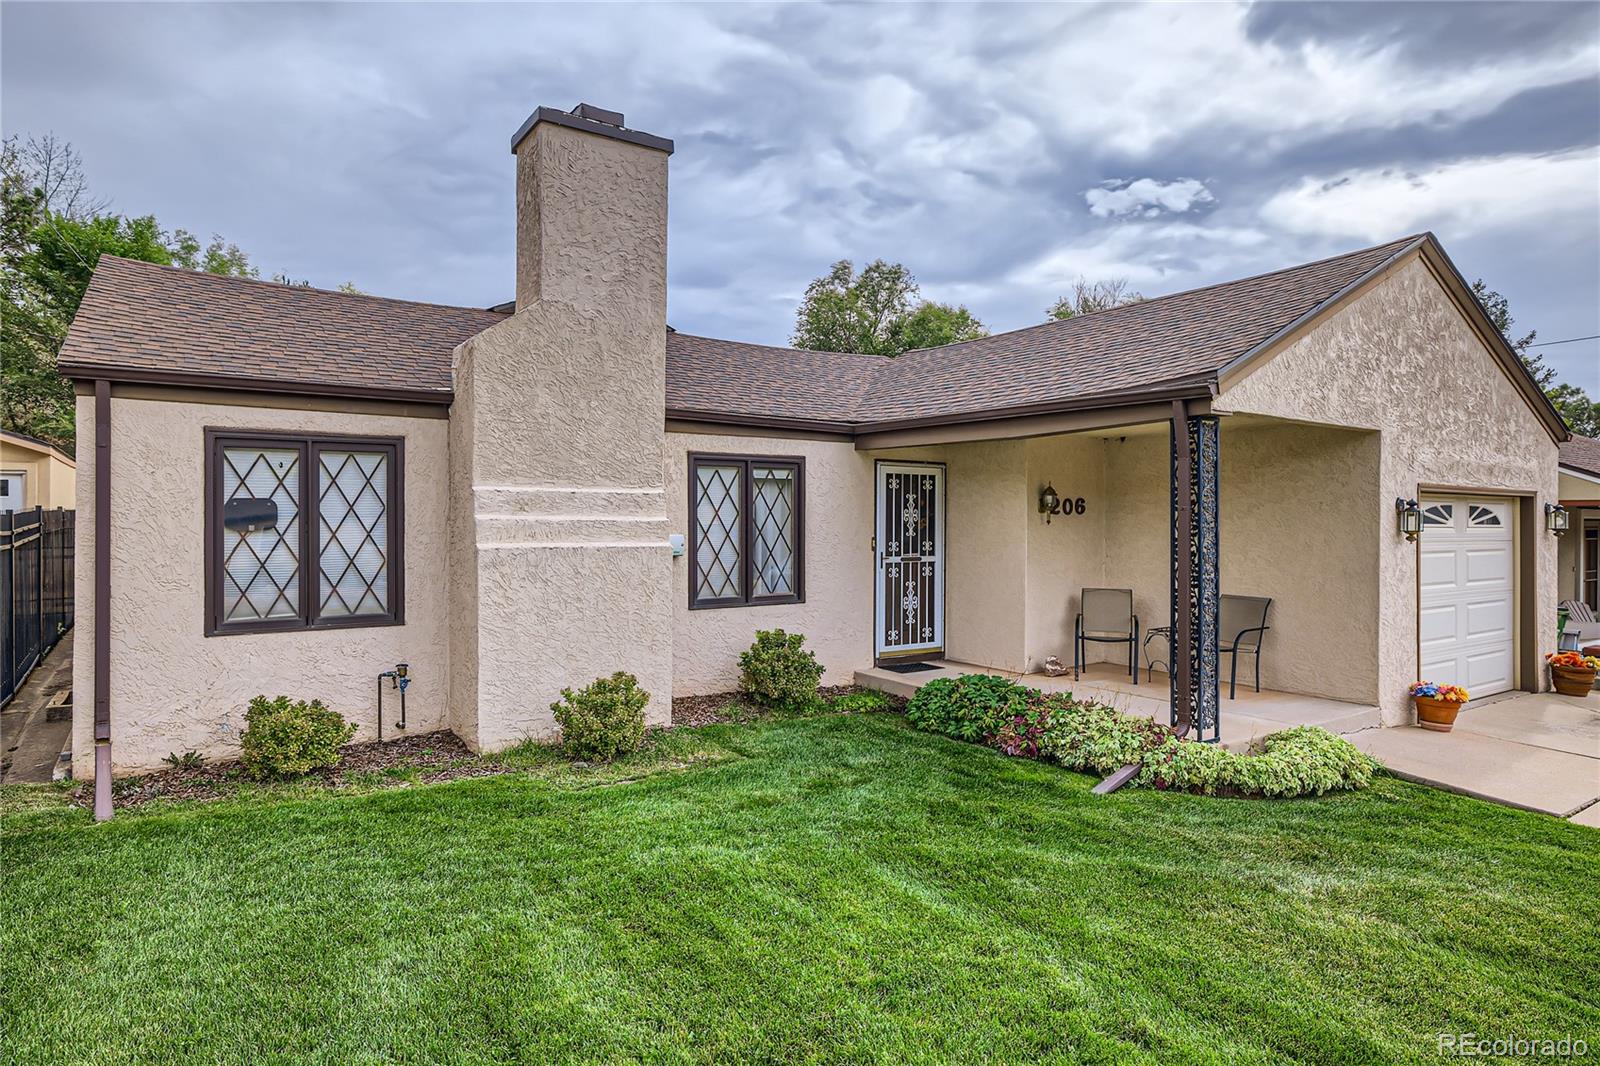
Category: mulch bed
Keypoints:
(438, 756)
(423, 757)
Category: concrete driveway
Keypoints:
(1539, 751)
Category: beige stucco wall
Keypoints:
(1068, 553)
(836, 616)
(561, 565)
(1401, 359)
(50, 481)
(172, 687)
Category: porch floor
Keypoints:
(1250, 716)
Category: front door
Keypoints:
(909, 605)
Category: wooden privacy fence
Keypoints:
(36, 550)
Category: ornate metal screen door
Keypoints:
(909, 604)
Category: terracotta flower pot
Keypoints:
(1570, 681)
(1437, 715)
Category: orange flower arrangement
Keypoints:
(1572, 660)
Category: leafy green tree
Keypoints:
(876, 312)
(52, 233)
(1582, 414)
(1088, 297)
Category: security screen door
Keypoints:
(909, 604)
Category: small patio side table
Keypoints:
(1165, 633)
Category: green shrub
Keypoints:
(972, 707)
(603, 720)
(1303, 761)
(863, 701)
(778, 672)
(290, 738)
(1097, 738)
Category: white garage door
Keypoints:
(1465, 621)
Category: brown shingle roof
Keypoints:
(1582, 454)
(140, 317)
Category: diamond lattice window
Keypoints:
(304, 532)
(354, 513)
(261, 566)
(746, 529)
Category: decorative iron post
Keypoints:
(1194, 576)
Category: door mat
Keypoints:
(908, 668)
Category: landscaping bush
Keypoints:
(604, 719)
(778, 672)
(1094, 737)
(864, 701)
(290, 738)
(972, 707)
(1304, 761)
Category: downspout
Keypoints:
(1182, 587)
(102, 600)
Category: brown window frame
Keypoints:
(310, 446)
(797, 463)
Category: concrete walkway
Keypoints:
(30, 739)
(1539, 751)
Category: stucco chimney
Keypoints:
(560, 566)
(591, 209)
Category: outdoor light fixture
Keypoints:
(1410, 517)
(1555, 518)
(1048, 502)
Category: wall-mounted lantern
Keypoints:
(1555, 518)
(1049, 502)
(1410, 517)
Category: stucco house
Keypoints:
(1579, 559)
(293, 490)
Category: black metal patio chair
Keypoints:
(1242, 624)
(1105, 616)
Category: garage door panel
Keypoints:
(1489, 671)
(1465, 613)
(1489, 565)
(1488, 620)
(1438, 569)
(1438, 624)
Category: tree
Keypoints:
(876, 312)
(1087, 297)
(52, 233)
(1581, 414)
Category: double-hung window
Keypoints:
(303, 531)
(746, 530)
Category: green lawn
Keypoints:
(836, 888)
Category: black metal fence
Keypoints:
(36, 555)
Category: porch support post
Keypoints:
(1195, 593)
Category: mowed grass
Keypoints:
(834, 889)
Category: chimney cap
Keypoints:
(590, 119)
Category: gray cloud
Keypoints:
(369, 142)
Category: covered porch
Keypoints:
(1240, 506)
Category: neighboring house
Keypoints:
(35, 473)
(302, 488)
(1579, 568)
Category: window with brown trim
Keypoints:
(303, 532)
(746, 530)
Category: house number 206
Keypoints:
(1068, 506)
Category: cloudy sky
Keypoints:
(1000, 152)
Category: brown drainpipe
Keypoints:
(102, 600)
